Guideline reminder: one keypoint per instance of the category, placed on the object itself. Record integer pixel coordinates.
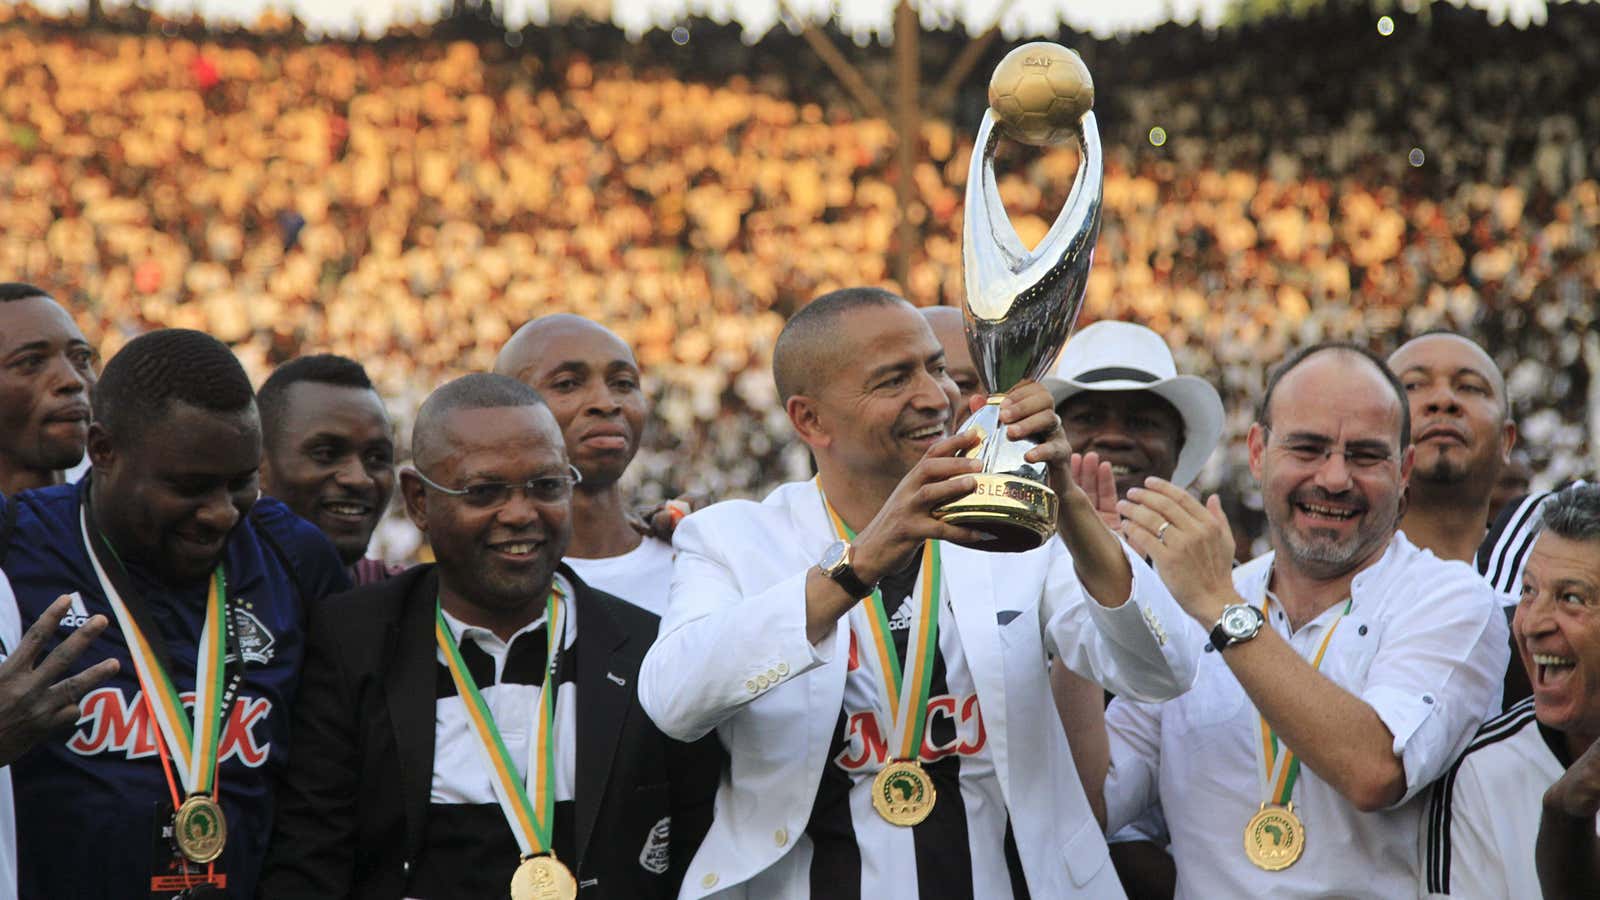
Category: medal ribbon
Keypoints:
(531, 820)
(905, 694)
(194, 745)
(1280, 770)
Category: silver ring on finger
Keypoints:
(1161, 533)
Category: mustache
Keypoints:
(1350, 499)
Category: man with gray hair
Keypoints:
(1484, 816)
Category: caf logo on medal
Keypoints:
(1039, 92)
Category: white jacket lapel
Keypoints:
(970, 589)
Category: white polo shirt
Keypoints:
(1424, 643)
(10, 636)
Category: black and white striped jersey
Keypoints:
(964, 850)
(470, 849)
(1504, 551)
(1478, 832)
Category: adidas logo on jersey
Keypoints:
(901, 620)
(78, 615)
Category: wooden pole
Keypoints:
(944, 95)
(908, 129)
(836, 62)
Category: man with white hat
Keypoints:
(1119, 394)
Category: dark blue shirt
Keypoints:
(87, 822)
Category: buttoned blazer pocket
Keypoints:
(1085, 853)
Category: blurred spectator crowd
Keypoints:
(410, 200)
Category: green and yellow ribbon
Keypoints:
(194, 745)
(532, 819)
(1280, 767)
(904, 693)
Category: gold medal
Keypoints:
(199, 829)
(903, 793)
(543, 877)
(1274, 838)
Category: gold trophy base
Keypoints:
(1017, 514)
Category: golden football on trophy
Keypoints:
(1039, 92)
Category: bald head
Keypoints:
(541, 339)
(477, 391)
(1464, 432)
(1443, 354)
(810, 344)
(1356, 355)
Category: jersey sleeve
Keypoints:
(1456, 840)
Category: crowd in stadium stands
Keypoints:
(410, 203)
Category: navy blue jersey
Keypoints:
(90, 803)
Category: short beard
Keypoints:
(1443, 472)
(1324, 559)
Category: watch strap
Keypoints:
(847, 578)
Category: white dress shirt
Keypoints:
(1424, 644)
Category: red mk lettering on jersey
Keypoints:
(865, 742)
(110, 723)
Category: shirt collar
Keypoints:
(488, 640)
(1366, 582)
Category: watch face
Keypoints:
(1240, 621)
(832, 558)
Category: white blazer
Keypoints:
(733, 656)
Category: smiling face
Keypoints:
(500, 558)
(1557, 631)
(169, 496)
(886, 401)
(1138, 432)
(1331, 467)
(46, 373)
(1458, 411)
(589, 378)
(332, 461)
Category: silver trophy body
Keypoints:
(1020, 309)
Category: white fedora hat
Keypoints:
(1122, 356)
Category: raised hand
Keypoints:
(1095, 477)
(1190, 545)
(36, 700)
(1029, 412)
(906, 518)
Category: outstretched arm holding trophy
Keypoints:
(867, 654)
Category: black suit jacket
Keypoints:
(353, 804)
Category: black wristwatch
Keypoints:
(835, 564)
(1239, 623)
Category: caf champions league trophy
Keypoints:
(1021, 305)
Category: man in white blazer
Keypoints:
(780, 622)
